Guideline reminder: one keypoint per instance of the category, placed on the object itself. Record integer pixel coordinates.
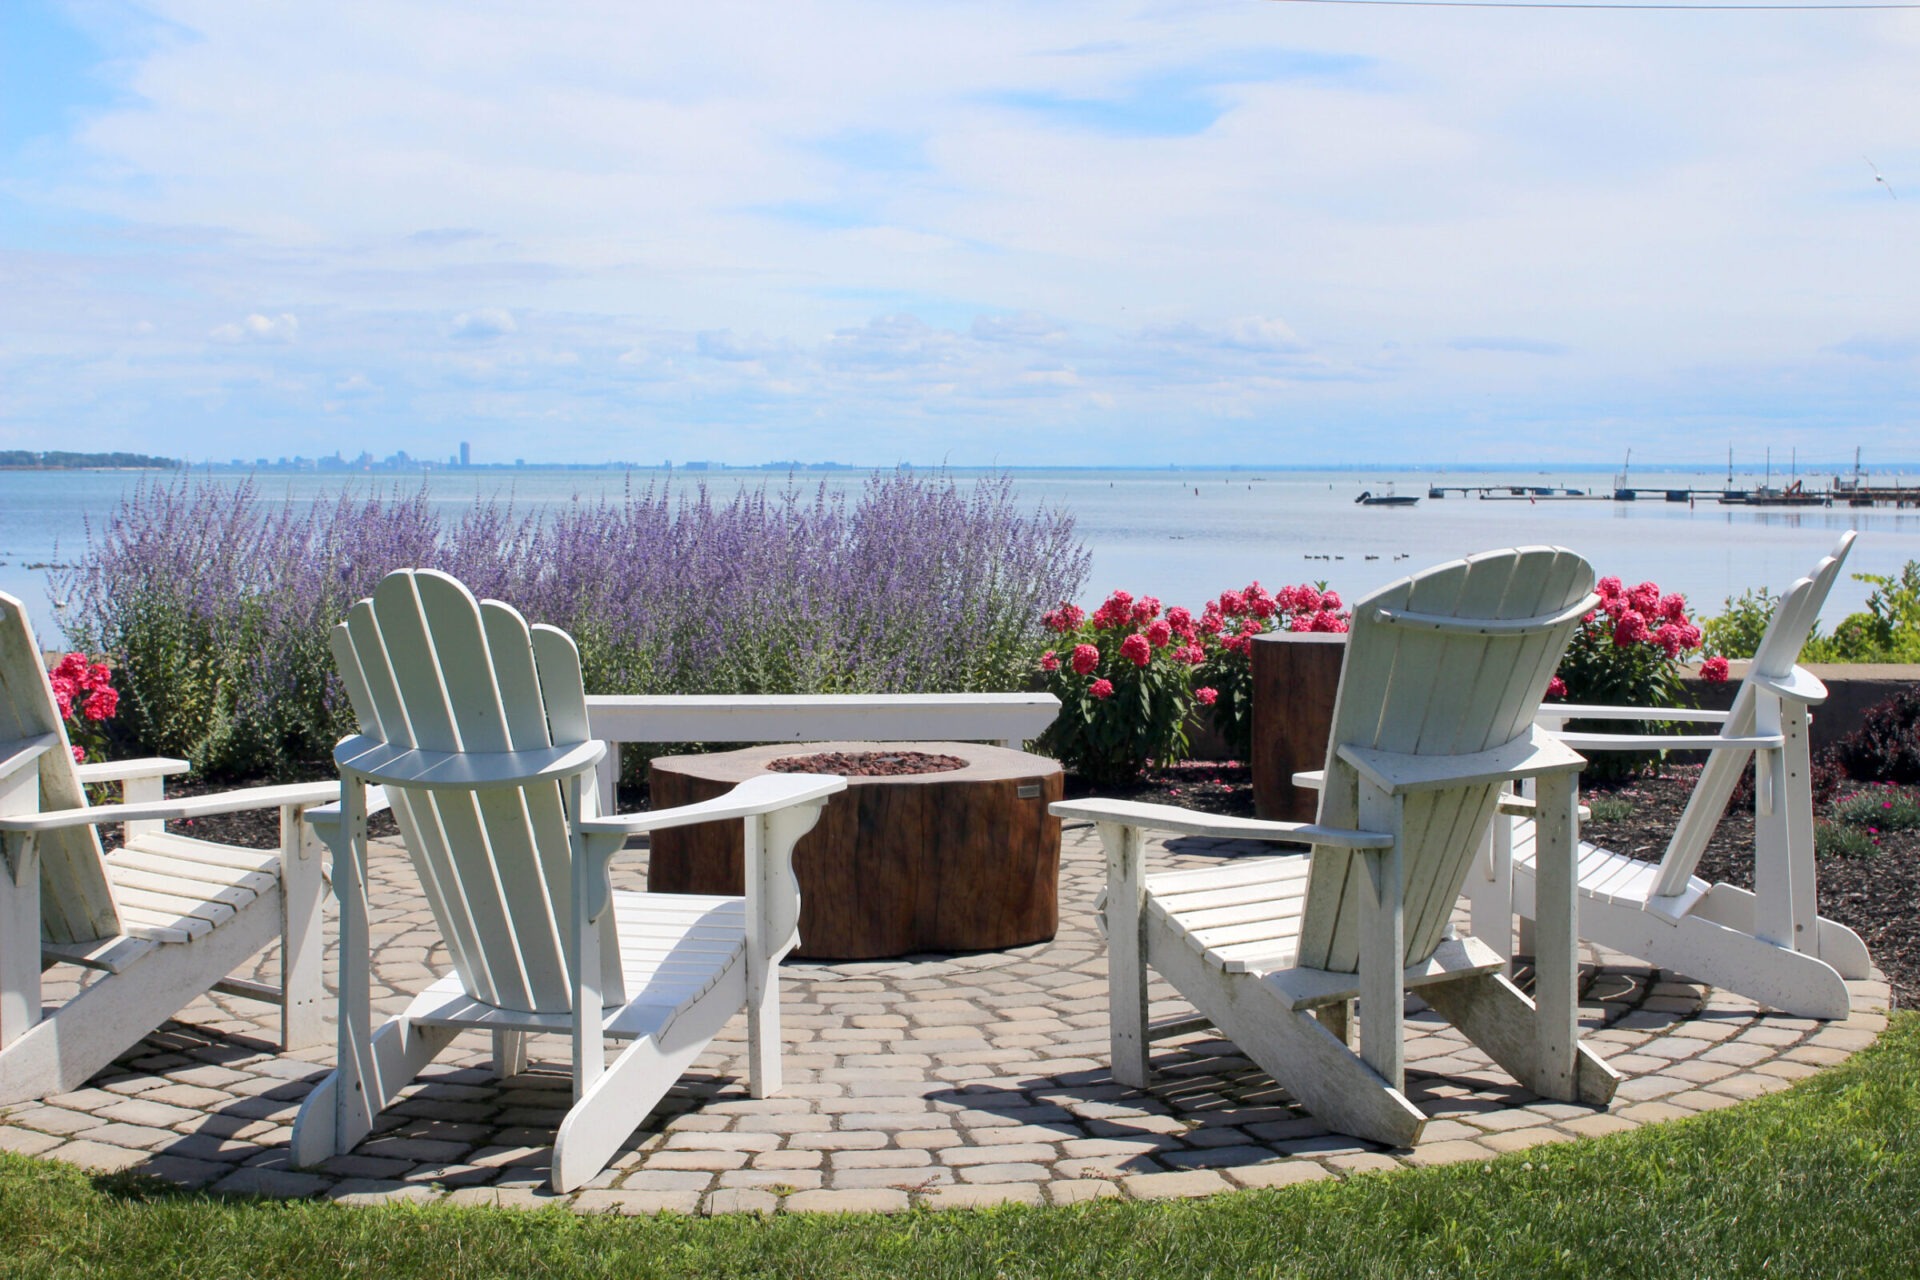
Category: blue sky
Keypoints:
(1031, 233)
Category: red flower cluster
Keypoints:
(1238, 616)
(84, 693)
(1644, 615)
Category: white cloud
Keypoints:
(487, 322)
(854, 213)
(279, 329)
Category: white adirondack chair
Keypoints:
(1434, 716)
(1770, 945)
(162, 919)
(474, 731)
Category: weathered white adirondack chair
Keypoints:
(1770, 945)
(1434, 716)
(474, 730)
(162, 919)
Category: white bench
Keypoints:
(1005, 719)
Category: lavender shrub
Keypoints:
(215, 604)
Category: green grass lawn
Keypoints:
(1822, 1180)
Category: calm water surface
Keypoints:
(1182, 536)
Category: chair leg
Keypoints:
(342, 1108)
(19, 937)
(1495, 1015)
(302, 935)
(509, 1053)
(1126, 953)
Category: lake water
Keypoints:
(1180, 535)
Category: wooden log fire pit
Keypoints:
(965, 858)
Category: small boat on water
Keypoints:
(1368, 498)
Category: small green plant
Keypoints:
(1608, 808)
(1838, 840)
(1877, 809)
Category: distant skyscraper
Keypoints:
(466, 454)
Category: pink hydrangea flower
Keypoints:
(1181, 621)
(1326, 621)
(1556, 688)
(1629, 628)
(1146, 609)
(63, 691)
(1714, 670)
(1136, 650)
(101, 704)
(1101, 689)
(1064, 618)
(1331, 600)
(1085, 658)
(1049, 661)
(1671, 638)
(1674, 607)
(1301, 622)
(1608, 588)
(79, 755)
(1206, 696)
(1645, 599)
(1191, 654)
(1159, 632)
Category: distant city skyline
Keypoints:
(1064, 233)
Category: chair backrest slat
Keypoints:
(429, 666)
(1774, 657)
(76, 902)
(1436, 692)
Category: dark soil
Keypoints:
(867, 764)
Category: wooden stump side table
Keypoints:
(964, 860)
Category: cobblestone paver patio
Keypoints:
(934, 1080)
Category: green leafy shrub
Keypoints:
(1125, 687)
(1737, 632)
(1887, 631)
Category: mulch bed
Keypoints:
(1877, 896)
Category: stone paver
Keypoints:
(949, 1081)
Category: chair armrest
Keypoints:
(752, 798)
(1187, 822)
(1574, 711)
(1667, 741)
(299, 794)
(130, 770)
(326, 817)
(1525, 807)
(26, 753)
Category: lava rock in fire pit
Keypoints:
(867, 764)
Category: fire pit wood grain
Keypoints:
(964, 860)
